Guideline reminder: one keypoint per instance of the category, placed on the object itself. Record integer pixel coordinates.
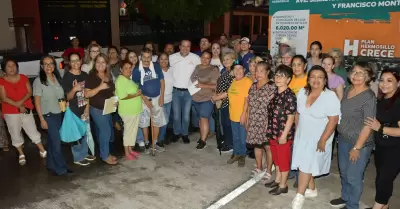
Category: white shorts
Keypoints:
(157, 114)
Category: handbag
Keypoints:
(72, 128)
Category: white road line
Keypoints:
(238, 191)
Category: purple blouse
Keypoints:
(334, 81)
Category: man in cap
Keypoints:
(245, 55)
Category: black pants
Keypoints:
(387, 168)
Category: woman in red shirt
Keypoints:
(15, 94)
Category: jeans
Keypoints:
(163, 130)
(226, 126)
(140, 137)
(195, 120)
(104, 124)
(352, 173)
(181, 104)
(80, 150)
(55, 158)
(239, 139)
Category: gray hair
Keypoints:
(340, 55)
(290, 51)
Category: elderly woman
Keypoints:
(316, 55)
(99, 86)
(287, 56)
(299, 79)
(252, 67)
(129, 107)
(238, 93)
(337, 54)
(223, 84)
(260, 94)
(17, 106)
(387, 138)
(318, 111)
(355, 138)
(280, 131)
(47, 92)
(207, 76)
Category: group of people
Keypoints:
(287, 109)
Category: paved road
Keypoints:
(182, 177)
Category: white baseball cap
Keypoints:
(245, 39)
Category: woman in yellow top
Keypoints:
(129, 107)
(299, 80)
(237, 93)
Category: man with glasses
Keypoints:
(245, 55)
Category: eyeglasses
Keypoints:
(358, 74)
(48, 64)
(278, 76)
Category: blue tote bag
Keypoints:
(72, 128)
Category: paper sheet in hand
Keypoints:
(109, 105)
(192, 87)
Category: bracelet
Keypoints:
(380, 130)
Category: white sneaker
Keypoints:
(298, 201)
(311, 193)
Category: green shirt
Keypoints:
(124, 87)
(344, 74)
(49, 95)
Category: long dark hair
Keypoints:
(316, 68)
(319, 46)
(94, 70)
(42, 73)
(396, 73)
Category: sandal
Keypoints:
(255, 172)
(267, 176)
(110, 161)
(22, 160)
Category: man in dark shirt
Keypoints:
(204, 45)
(150, 78)
(245, 55)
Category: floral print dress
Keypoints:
(258, 114)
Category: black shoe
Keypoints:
(160, 144)
(147, 146)
(141, 148)
(271, 184)
(202, 144)
(337, 203)
(226, 149)
(167, 141)
(70, 171)
(198, 141)
(175, 138)
(186, 139)
(278, 190)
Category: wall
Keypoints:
(30, 8)
(7, 37)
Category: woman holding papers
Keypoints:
(206, 77)
(99, 87)
(129, 107)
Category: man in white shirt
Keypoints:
(182, 65)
